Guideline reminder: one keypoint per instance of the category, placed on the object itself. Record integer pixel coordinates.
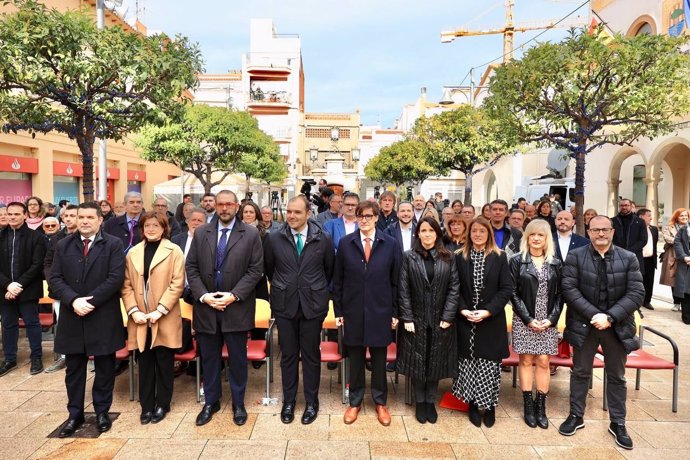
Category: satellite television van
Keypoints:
(539, 186)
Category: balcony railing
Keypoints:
(270, 97)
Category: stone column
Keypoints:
(612, 202)
(653, 197)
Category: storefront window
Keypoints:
(65, 188)
(14, 187)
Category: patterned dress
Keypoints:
(479, 380)
(525, 340)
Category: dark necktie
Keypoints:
(132, 224)
(86, 246)
(220, 256)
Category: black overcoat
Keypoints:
(491, 336)
(100, 275)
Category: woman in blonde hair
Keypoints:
(485, 288)
(536, 303)
(430, 212)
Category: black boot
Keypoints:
(530, 418)
(540, 408)
(475, 416)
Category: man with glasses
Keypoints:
(224, 264)
(22, 252)
(365, 299)
(346, 224)
(160, 207)
(602, 286)
(630, 231)
(124, 227)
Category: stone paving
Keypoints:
(31, 407)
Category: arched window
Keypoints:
(645, 29)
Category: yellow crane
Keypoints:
(509, 29)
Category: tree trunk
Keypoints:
(580, 161)
(209, 178)
(247, 185)
(468, 188)
(86, 148)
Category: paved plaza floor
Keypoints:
(33, 407)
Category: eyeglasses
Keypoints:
(366, 217)
(605, 231)
(50, 226)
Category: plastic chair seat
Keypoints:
(640, 359)
(45, 319)
(391, 353)
(329, 352)
(256, 350)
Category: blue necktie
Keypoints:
(220, 256)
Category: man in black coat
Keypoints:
(507, 238)
(565, 239)
(387, 215)
(602, 286)
(160, 206)
(224, 265)
(403, 230)
(649, 256)
(22, 251)
(630, 231)
(87, 274)
(124, 226)
(299, 262)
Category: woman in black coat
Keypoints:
(537, 305)
(544, 213)
(456, 233)
(485, 288)
(428, 305)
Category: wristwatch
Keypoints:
(609, 318)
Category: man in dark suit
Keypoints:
(403, 229)
(87, 274)
(160, 206)
(124, 227)
(630, 231)
(565, 239)
(299, 262)
(648, 256)
(224, 264)
(365, 298)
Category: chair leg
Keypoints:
(198, 379)
(131, 376)
(514, 376)
(343, 380)
(638, 377)
(675, 390)
(606, 402)
(268, 378)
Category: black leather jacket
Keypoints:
(526, 284)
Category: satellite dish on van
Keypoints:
(558, 160)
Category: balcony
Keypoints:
(281, 135)
(267, 66)
(269, 102)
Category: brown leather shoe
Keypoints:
(351, 414)
(383, 415)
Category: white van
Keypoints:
(564, 187)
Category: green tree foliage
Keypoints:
(465, 139)
(590, 90)
(400, 163)
(265, 165)
(209, 140)
(58, 72)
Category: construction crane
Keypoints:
(509, 29)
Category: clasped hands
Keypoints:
(139, 317)
(475, 316)
(339, 321)
(219, 300)
(81, 305)
(13, 290)
(539, 325)
(600, 321)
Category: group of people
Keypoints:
(441, 281)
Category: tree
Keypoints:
(205, 141)
(58, 72)
(465, 139)
(266, 165)
(401, 162)
(590, 90)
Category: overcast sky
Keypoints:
(374, 55)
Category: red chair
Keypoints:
(332, 352)
(47, 319)
(121, 355)
(189, 356)
(640, 360)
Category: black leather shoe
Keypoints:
(206, 413)
(310, 413)
(489, 417)
(420, 412)
(70, 427)
(475, 416)
(287, 413)
(257, 364)
(145, 417)
(239, 415)
(648, 306)
(332, 366)
(621, 434)
(571, 425)
(7, 366)
(36, 366)
(158, 415)
(103, 422)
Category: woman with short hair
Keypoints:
(455, 234)
(154, 281)
(536, 300)
(485, 288)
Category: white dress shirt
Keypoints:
(564, 244)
